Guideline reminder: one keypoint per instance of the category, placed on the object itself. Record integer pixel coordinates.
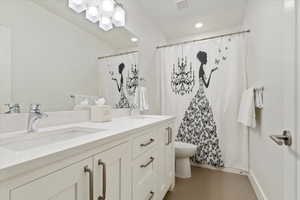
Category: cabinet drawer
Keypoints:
(146, 189)
(144, 142)
(145, 165)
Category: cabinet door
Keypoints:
(70, 183)
(167, 160)
(112, 174)
(170, 156)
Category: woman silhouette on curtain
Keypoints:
(198, 126)
(123, 102)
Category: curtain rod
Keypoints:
(203, 39)
(119, 54)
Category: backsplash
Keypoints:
(18, 122)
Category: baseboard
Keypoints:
(257, 187)
(226, 169)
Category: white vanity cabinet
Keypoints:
(166, 171)
(153, 163)
(103, 176)
(70, 183)
(137, 166)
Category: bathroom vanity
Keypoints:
(130, 158)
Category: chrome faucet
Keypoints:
(132, 107)
(13, 108)
(35, 115)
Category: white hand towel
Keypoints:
(136, 97)
(247, 109)
(144, 106)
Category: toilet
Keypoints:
(183, 152)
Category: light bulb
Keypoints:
(93, 11)
(105, 23)
(107, 5)
(119, 16)
(92, 14)
(78, 5)
(105, 20)
(78, 2)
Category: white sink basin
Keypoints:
(142, 117)
(25, 141)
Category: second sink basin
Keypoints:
(25, 141)
(142, 117)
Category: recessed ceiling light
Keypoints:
(134, 39)
(199, 25)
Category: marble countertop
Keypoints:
(116, 128)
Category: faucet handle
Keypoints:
(8, 108)
(12, 108)
(17, 108)
(35, 108)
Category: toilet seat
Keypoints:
(183, 150)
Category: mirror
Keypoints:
(121, 76)
(49, 55)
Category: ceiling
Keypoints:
(118, 38)
(214, 14)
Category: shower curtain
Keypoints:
(202, 84)
(119, 79)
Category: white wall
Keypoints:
(5, 65)
(51, 58)
(298, 96)
(264, 18)
(205, 34)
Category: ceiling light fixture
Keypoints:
(109, 13)
(199, 25)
